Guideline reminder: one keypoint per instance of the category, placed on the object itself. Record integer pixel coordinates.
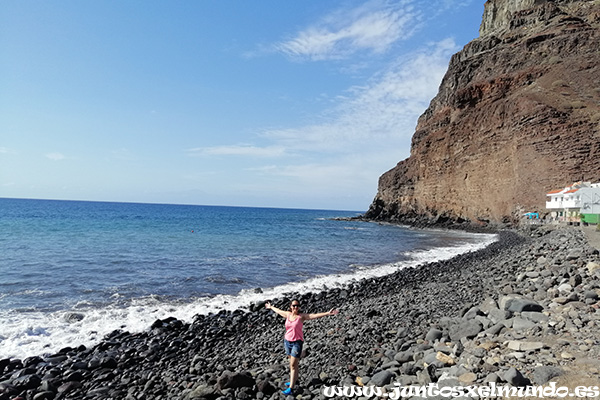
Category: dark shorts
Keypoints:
(294, 348)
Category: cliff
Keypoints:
(517, 115)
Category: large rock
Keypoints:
(465, 329)
(516, 378)
(541, 375)
(517, 303)
(233, 380)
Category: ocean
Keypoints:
(72, 271)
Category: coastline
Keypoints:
(390, 329)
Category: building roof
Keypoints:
(556, 191)
(572, 190)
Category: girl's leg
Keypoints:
(294, 368)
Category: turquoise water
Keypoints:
(73, 271)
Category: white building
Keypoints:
(567, 204)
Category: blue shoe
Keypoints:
(287, 384)
(287, 391)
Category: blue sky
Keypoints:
(299, 104)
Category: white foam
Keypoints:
(38, 333)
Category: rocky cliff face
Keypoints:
(517, 115)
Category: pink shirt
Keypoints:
(293, 329)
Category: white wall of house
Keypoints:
(590, 200)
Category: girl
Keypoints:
(294, 337)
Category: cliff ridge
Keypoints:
(517, 115)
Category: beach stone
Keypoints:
(44, 396)
(565, 288)
(433, 335)
(575, 280)
(108, 362)
(516, 303)
(566, 355)
(574, 254)
(467, 378)
(516, 378)
(492, 378)
(266, 387)
(541, 375)
(525, 346)
(542, 260)
(495, 329)
(465, 329)
(590, 294)
(404, 356)
(592, 267)
(382, 378)
(535, 316)
(234, 380)
(521, 324)
(445, 359)
(26, 382)
(202, 392)
(487, 305)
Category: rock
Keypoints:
(565, 288)
(517, 303)
(525, 346)
(521, 324)
(534, 316)
(404, 356)
(445, 359)
(234, 380)
(265, 387)
(592, 267)
(544, 374)
(44, 396)
(566, 355)
(382, 378)
(465, 329)
(484, 102)
(467, 378)
(574, 254)
(202, 392)
(433, 335)
(108, 362)
(590, 294)
(515, 378)
(26, 382)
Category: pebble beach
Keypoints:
(522, 311)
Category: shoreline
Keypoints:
(87, 325)
(390, 329)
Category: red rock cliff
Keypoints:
(517, 115)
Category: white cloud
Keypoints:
(238, 150)
(373, 27)
(55, 156)
(386, 108)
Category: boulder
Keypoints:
(541, 375)
(516, 378)
(465, 329)
(234, 380)
(516, 303)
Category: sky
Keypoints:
(295, 104)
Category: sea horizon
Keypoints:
(184, 204)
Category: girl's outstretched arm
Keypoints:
(268, 306)
(307, 317)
